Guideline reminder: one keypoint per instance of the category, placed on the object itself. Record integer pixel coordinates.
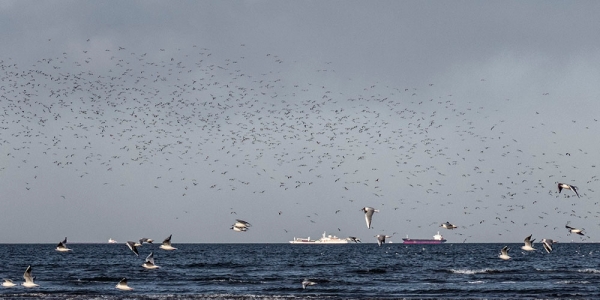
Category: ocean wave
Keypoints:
(588, 271)
(474, 271)
(476, 282)
(572, 282)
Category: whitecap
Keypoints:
(469, 271)
(572, 282)
(588, 271)
(476, 282)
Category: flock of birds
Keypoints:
(122, 285)
(206, 131)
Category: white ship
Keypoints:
(111, 241)
(325, 239)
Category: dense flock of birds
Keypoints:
(307, 146)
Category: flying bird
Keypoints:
(166, 244)
(369, 214)
(149, 264)
(565, 186)
(354, 239)
(8, 283)
(307, 282)
(548, 244)
(447, 225)
(133, 247)
(62, 246)
(28, 279)
(122, 285)
(575, 230)
(240, 225)
(528, 244)
(381, 238)
(504, 253)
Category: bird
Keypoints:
(381, 238)
(28, 279)
(149, 264)
(528, 244)
(241, 223)
(62, 246)
(369, 214)
(447, 225)
(575, 230)
(307, 282)
(122, 285)
(146, 240)
(166, 244)
(354, 239)
(239, 229)
(565, 186)
(133, 247)
(8, 283)
(504, 253)
(548, 244)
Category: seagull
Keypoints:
(548, 244)
(504, 253)
(122, 285)
(574, 230)
(307, 282)
(62, 246)
(142, 241)
(528, 244)
(447, 225)
(381, 238)
(149, 264)
(565, 186)
(146, 240)
(354, 239)
(369, 214)
(8, 283)
(239, 229)
(241, 223)
(28, 279)
(133, 247)
(166, 244)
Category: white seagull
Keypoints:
(575, 230)
(133, 247)
(166, 244)
(381, 238)
(241, 223)
(122, 285)
(8, 283)
(548, 244)
(307, 282)
(62, 246)
(239, 229)
(28, 279)
(369, 214)
(149, 264)
(447, 225)
(565, 186)
(528, 244)
(504, 253)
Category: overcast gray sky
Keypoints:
(130, 119)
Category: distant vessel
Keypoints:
(325, 239)
(111, 241)
(437, 239)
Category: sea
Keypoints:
(276, 271)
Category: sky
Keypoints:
(140, 119)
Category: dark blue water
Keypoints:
(269, 271)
